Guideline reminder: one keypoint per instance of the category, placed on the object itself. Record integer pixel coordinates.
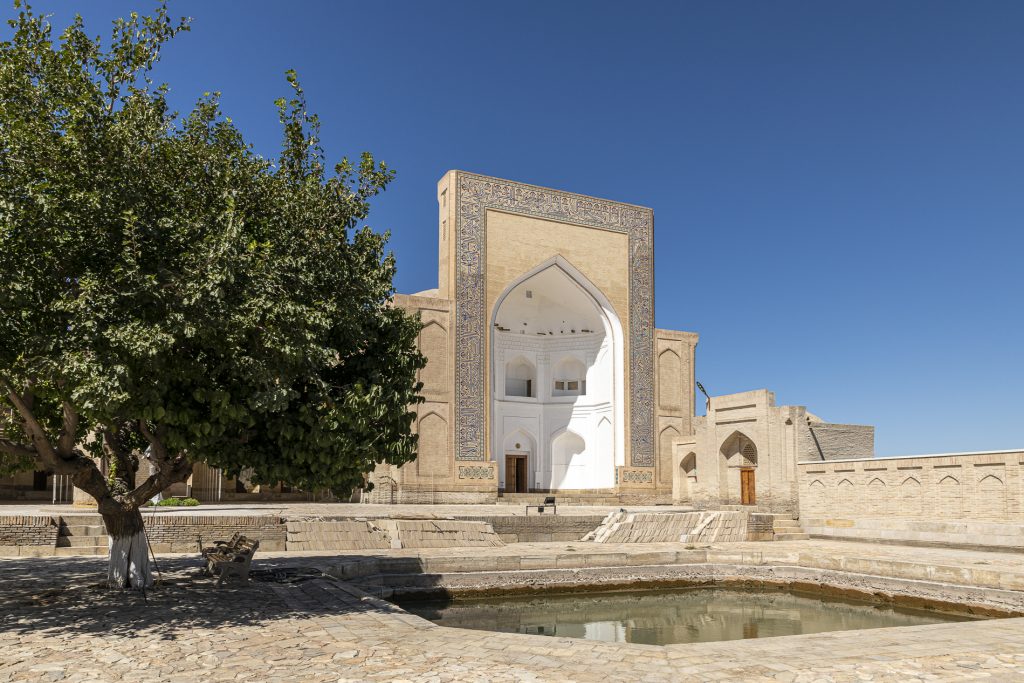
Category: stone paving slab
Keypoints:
(57, 624)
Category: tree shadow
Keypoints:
(59, 595)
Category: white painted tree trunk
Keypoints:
(128, 565)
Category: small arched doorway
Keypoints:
(519, 451)
(740, 453)
(688, 478)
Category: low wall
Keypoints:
(181, 533)
(349, 534)
(385, 533)
(540, 528)
(960, 533)
(680, 527)
(959, 488)
(28, 532)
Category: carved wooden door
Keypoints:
(747, 496)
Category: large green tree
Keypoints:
(164, 289)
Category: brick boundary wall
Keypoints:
(28, 531)
(986, 487)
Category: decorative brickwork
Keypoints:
(477, 194)
(477, 472)
(635, 477)
(971, 486)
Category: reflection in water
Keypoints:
(694, 615)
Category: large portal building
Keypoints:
(545, 372)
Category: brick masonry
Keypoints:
(181, 533)
(831, 441)
(18, 531)
(839, 496)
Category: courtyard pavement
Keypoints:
(57, 623)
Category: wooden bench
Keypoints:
(232, 563)
(549, 502)
(221, 546)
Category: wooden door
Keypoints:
(510, 474)
(515, 473)
(521, 479)
(747, 495)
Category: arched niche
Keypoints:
(432, 452)
(670, 389)
(559, 321)
(739, 450)
(520, 378)
(520, 441)
(433, 344)
(689, 466)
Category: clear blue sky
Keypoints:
(838, 187)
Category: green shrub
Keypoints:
(182, 502)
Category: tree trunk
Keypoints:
(128, 565)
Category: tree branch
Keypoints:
(169, 469)
(170, 473)
(66, 442)
(33, 430)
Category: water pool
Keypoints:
(687, 615)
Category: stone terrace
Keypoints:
(56, 623)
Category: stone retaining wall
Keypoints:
(384, 533)
(350, 534)
(913, 593)
(24, 531)
(538, 528)
(683, 527)
(440, 533)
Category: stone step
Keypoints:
(81, 520)
(87, 550)
(740, 508)
(82, 530)
(82, 541)
(791, 537)
(568, 502)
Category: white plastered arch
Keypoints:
(613, 333)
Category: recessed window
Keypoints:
(570, 378)
(519, 377)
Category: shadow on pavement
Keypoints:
(69, 594)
